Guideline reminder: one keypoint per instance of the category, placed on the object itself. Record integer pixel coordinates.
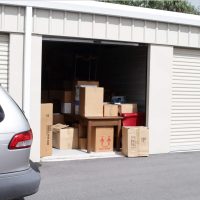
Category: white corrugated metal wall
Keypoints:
(95, 26)
(4, 60)
(185, 107)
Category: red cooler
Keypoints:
(133, 119)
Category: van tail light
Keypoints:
(21, 140)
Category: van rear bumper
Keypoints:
(19, 184)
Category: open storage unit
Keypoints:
(120, 68)
(90, 40)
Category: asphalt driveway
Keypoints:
(158, 177)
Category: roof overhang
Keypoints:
(110, 9)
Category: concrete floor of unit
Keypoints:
(75, 154)
(157, 177)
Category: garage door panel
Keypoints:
(4, 55)
(185, 104)
(186, 146)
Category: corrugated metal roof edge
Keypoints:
(110, 9)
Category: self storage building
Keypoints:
(152, 55)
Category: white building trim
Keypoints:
(112, 10)
(27, 62)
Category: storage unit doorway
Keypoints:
(119, 67)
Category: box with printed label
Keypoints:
(102, 139)
(46, 129)
(143, 141)
(135, 141)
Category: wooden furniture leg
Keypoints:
(118, 135)
(89, 136)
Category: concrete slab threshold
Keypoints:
(74, 154)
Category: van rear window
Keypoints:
(2, 115)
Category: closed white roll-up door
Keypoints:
(185, 107)
(4, 60)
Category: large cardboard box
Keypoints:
(79, 84)
(65, 137)
(110, 110)
(77, 91)
(135, 141)
(91, 101)
(130, 141)
(102, 139)
(127, 108)
(58, 118)
(46, 129)
(82, 143)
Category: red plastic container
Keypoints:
(133, 119)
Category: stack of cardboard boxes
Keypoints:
(87, 100)
(59, 136)
(91, 105)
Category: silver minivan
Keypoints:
(17, 178)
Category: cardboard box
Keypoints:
(135, 141)
(77, 91)
(130, 141)
(127, 108)
(58, 118)
(91, 101)
(143, 141)
(79, 83)
(46, 129)
(82, 143)
(65, 137)
(102, 139)
(67, 97)
(110, 110)
(66, 108)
